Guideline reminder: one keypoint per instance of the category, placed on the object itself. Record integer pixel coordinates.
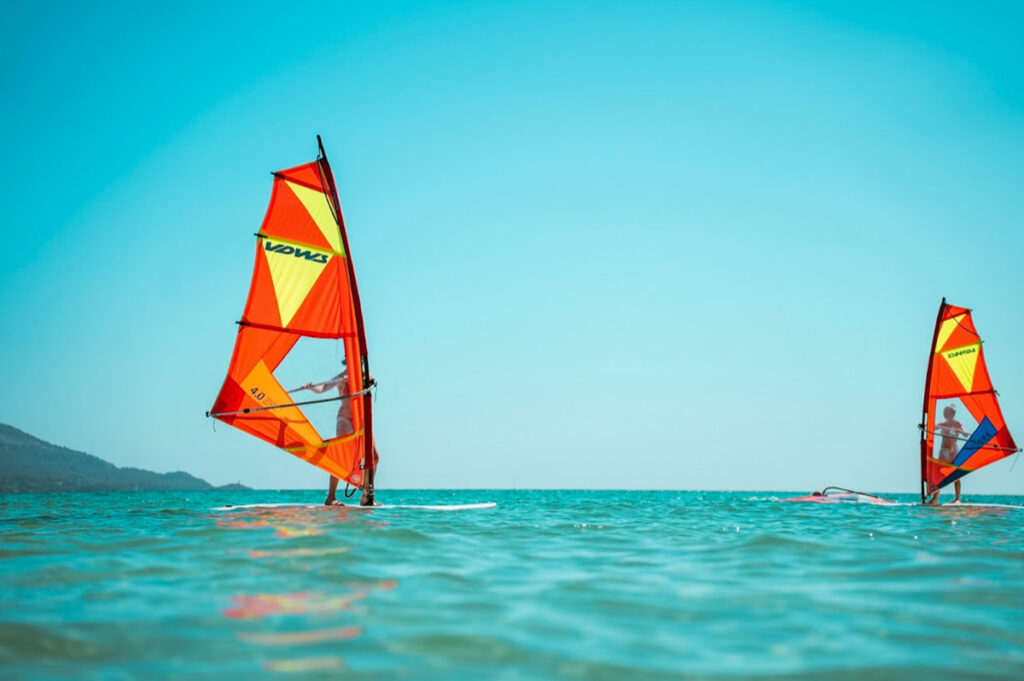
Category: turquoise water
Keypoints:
(548, 585)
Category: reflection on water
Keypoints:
(304, 664)
(290, 522)
(299, 610)
(300, 637)
(315, 603)
(292, 553)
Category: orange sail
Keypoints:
(303, 285)
(962, 428)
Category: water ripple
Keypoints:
(548, 585)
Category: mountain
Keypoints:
(28, 464)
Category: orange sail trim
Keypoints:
(302, 286)
(963, 426)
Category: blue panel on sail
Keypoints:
(978, 439)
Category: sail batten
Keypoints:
(963, 428)
(302, 286)
(308, 334)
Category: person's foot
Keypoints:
(331, 501)
(367, 499)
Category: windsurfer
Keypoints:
(345, 427)
(949, 429)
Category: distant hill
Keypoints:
(28, 464)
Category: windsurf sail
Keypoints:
(962, 427)
(303, 286)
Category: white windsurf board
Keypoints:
(356, 507)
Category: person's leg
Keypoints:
(367, 498)
(331, 491)
(956, 487)
(343, 427)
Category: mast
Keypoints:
(364, 361)
(924, 409)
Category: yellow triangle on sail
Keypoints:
(261, 385)
(963, 361)
(946, 330)
(319, 209)
(293, 270)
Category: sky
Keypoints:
(652, 245)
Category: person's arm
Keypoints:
(326, 385)
(954, 426)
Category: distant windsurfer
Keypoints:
(950, 430)
(345, 427)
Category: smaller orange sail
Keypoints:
(962, 428)
(303, 286)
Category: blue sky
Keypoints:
(640, 245)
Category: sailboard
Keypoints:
(422, 507)
(303, 286)
(841, 495)
(958, 389)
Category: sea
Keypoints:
(546, 585)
